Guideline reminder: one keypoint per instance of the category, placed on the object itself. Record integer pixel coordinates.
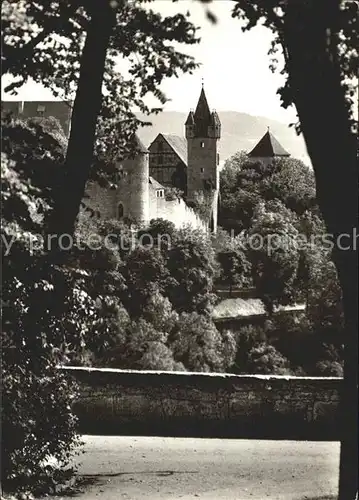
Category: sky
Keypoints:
(234, 67)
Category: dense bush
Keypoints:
(246, 338)
(245, 183)
(49, 317)
(264, 358)
(37, 421)
(198, 344)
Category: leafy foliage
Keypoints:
(192, 266)
(264, 358)
(245, 183)
(198, 344)
(140, 346)
(234, 267)
(34, 340)
(52, 54)
(49, 317)
(273, 253)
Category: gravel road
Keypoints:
(135, 468)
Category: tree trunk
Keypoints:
(86, 109)
(310, 33)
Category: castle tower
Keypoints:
(203, 131)
(133, 200)
(267, 149)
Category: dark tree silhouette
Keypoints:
(319, 41)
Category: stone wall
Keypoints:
(105, 203)
(102, 200)
(213, 405)
(175, 211)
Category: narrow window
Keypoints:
(120, 211)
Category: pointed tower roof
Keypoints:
(190, 119)
(267, 147)
(202, 109)
(202, 116)
(215, 119)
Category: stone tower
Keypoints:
(133, 191)
(203, 131)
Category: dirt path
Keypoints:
(135, 468)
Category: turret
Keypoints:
(133, 192)
(203, 130)
(190, 125)
(214, 129)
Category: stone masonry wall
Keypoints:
(105, 204)
(199, 404)
(102, 200)
(175, 211)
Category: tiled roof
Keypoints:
(268, 146)
(155, 184)
(178, 144)
(237, 308)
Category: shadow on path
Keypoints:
(157, 472)
(325, 497)
(84, 481)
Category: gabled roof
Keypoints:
(267, 147)
(178, 144)
(156, 185)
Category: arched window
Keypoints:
(120, 211)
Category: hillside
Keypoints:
(240, 131)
